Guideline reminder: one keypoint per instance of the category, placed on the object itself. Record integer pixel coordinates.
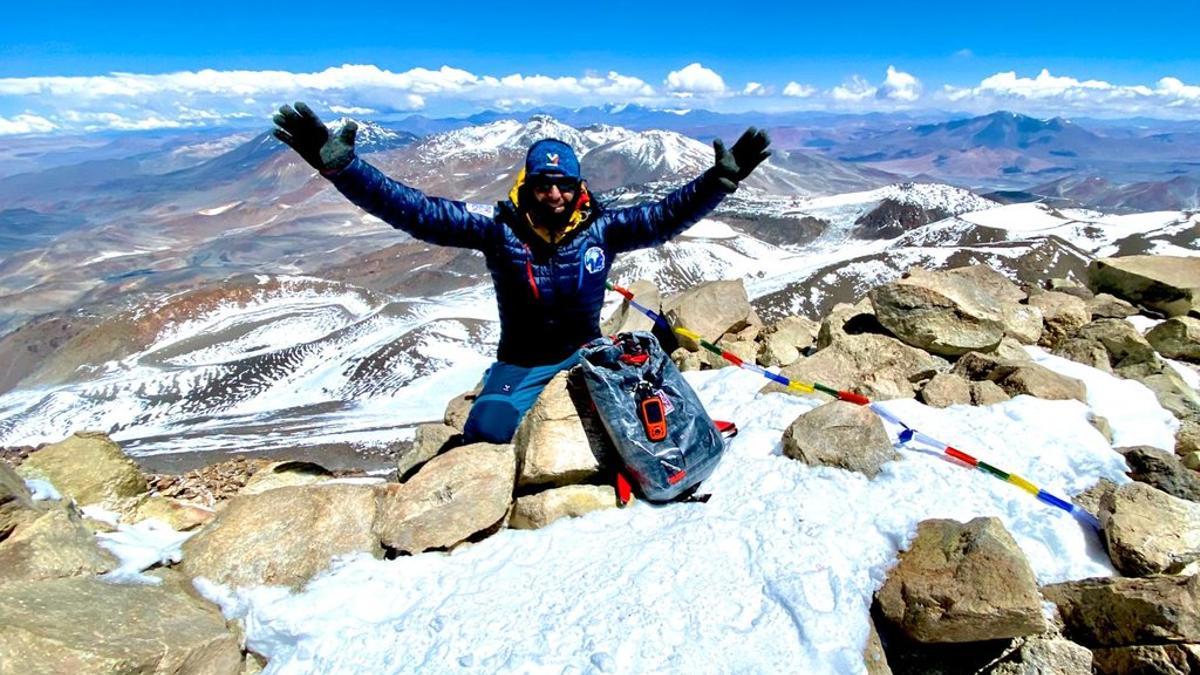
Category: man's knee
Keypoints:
(492, 421)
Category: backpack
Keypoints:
(664, 437)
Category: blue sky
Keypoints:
(1125, 58)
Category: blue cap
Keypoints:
(551, 156)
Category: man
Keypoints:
(549, 247)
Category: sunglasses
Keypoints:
(544, 183)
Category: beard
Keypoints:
(545, 216)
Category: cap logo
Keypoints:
(552, 158)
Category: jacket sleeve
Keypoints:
(431, 219)
(648, 225)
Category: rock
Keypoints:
(553, 445)
(1116, 611)
(709, 309)
(783, 342)
(986, 392)
(455, 495)
(1167, 284)
(1070, 287)
(1020, 377)
(875, 366)
(941, 312)
(428, 441)
(686, 360)
(181, 516)
(1062, 315)
(840, 434)
(1090, 498)
(87, 467)
(1187, 439)
(1192, 460)
(1177, 338)
(1105, 306)
(1174, 394)
(1148, 531)
(962, 583)
(1162, 470)
(284, 536)
(1011, 350)
(874, 657)
(87, 626)
(746, 350)
(946, 389)
(56, 544)
(539, 510)
(285, 474)
(1148, 660)
(1102, 425)
(15, 500)
(846, 319)
(1022, 323)
(1087, 352)
(1129, 354)
(1045, 656)
(459, 408)
(627, 319)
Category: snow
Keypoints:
(710, 229)
(775, 573)
(139, 547)
(218, 210)
(41, 490)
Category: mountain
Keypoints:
(1174, 194)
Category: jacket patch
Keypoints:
(593, 260)
(482, 209)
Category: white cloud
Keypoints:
(694, 79)
(900, 86)
(797, 90)
(964, 54)
(351, 110)
(756, 89)
(26, 124)
(854, 89)
(1050, 94)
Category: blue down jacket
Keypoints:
(549, 295)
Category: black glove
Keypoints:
(732, 166)
(300, 128)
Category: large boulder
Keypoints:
(1020, 377)
(1167, 284)
(554, 444)
(1174, 394)
(875, 366)
(457, 494)
(1148, 660)
(1116, 611)
(283, 537)
(1177, 338)
(56, 544)
(179, 515)
(962, 582)
(1148, 531)
(1129, 354)
(459, 408)
(87, 626)
(783, 342)
(1162, 470)
(87, 467)
(1062, 315)
(846, 319)
(941, 312)
(626, 318)
(710, 310)
(285, 474)
(1045, 656)
(840, 434)
(538, 510)
(428, 441)
(746, 350)
(1105, 306)
(15, 500)
(986, 392)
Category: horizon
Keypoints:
(180, 68)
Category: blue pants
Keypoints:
(508, 392)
